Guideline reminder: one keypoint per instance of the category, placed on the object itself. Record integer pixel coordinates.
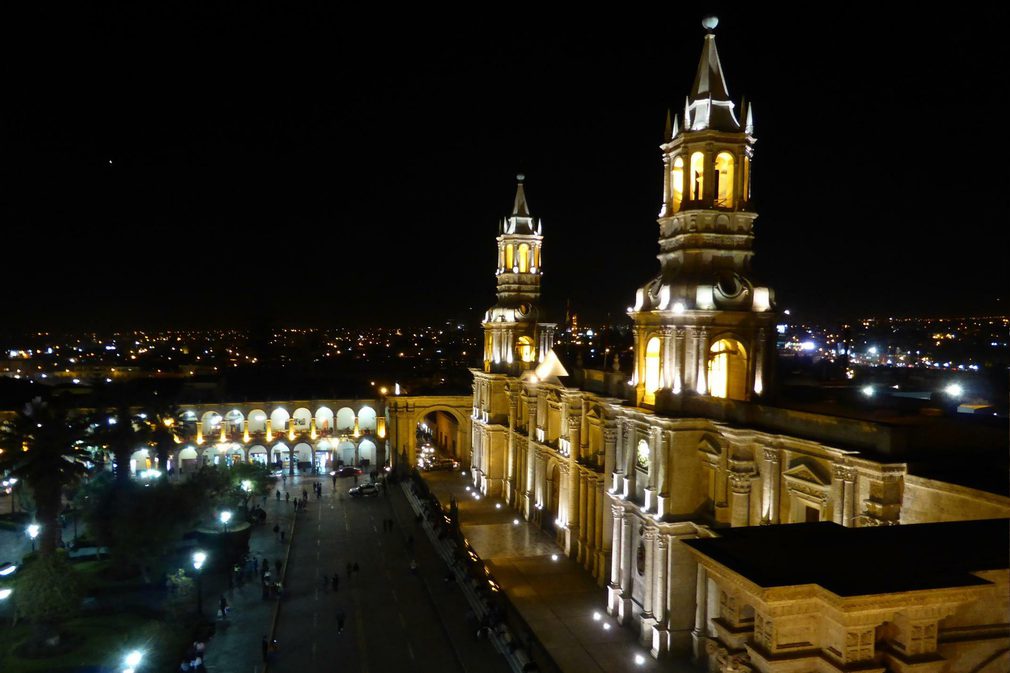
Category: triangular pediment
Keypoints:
(803, 473)
(710, 447)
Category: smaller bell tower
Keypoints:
(514, 340)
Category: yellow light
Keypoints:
(245, 436)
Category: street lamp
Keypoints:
(132, 660)
(198, 560)
(5, 594)
(33, 532)
(225, 517)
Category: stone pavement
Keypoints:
(557, 598)
(236, 643)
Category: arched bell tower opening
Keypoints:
(727, 370)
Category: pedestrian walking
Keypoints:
(340, 620)
(277, 566)
(336, 582)
(410, 542)
(413, 567)
(287, 496)
(223, 604)
(278, 496)
(264, 566)
(355, 566)
(265, 645)
(282, 537)
(305, 494)
(277, 530)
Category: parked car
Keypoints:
(349, 471)
(364, 491)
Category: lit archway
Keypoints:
(697, 181)
(652, 365)
(257, 421)
(366, 419)
(525, 349)
(303, 453)
(280, 454)
(524, 258)
(366, 452)
(301, 420)
(345, 419)
(234, 420)
(724, 177)
(324, 420)
(210, 423)
(727, 370)
(345, 453)
(279, 419)
(258, 454)
(678, 183)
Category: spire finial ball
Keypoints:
(520, 177)
(710, 22)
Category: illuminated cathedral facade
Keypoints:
(646, 481)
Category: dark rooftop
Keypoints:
(863, 561)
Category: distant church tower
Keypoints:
(703, 325)
(515, 343)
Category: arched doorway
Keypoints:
(280, 454)
(140, 461)
(279, 420)
(258, 454)
(441, 429)
(303, 455)
(366, 452)
(345, 452)
(727, 370)
(345, 419)
(187, 460)
(257, 421)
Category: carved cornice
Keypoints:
(770, 455)
(843, 472)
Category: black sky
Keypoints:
(321, 169)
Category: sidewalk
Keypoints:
(236, 645)
(556, 598)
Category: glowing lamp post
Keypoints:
(132, 660)
(33, 532)
(199, 558)
(225, 517)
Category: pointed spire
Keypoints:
(668, 129)
(676, 127)
(709, 97)
(520, 208)
(687, 113)
(748, 125)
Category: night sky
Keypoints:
(325, 169)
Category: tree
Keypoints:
(121, 432)
(42, 445)
(47, 594)
(167, 428)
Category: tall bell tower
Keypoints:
(703, 325)
(514, 341)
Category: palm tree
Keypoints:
(42, 445)
(167, 428)
(121, 432)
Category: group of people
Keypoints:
(193, 661)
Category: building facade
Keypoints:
(625, 472)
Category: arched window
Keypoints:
(524, 258)
(525, 349)
(509, 261)
(727, 370)
(724, 178)
(697, 186)
(651, 370)
(537, 251)
(678, 183)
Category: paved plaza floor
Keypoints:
(556, 598)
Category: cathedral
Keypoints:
(673, 489)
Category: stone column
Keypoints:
(626, 569)
(616, 519)
(609, 454)
(629, 463)
(662, 479)
(678, 359)
(770, 487)
(661, 632)
(529, 492)
(581, 484)
(698, 633)
(648, 617)
(839, 474)
(668, 367)
(689, 369)
(702, 360)
(617, 476)
(740, 505)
